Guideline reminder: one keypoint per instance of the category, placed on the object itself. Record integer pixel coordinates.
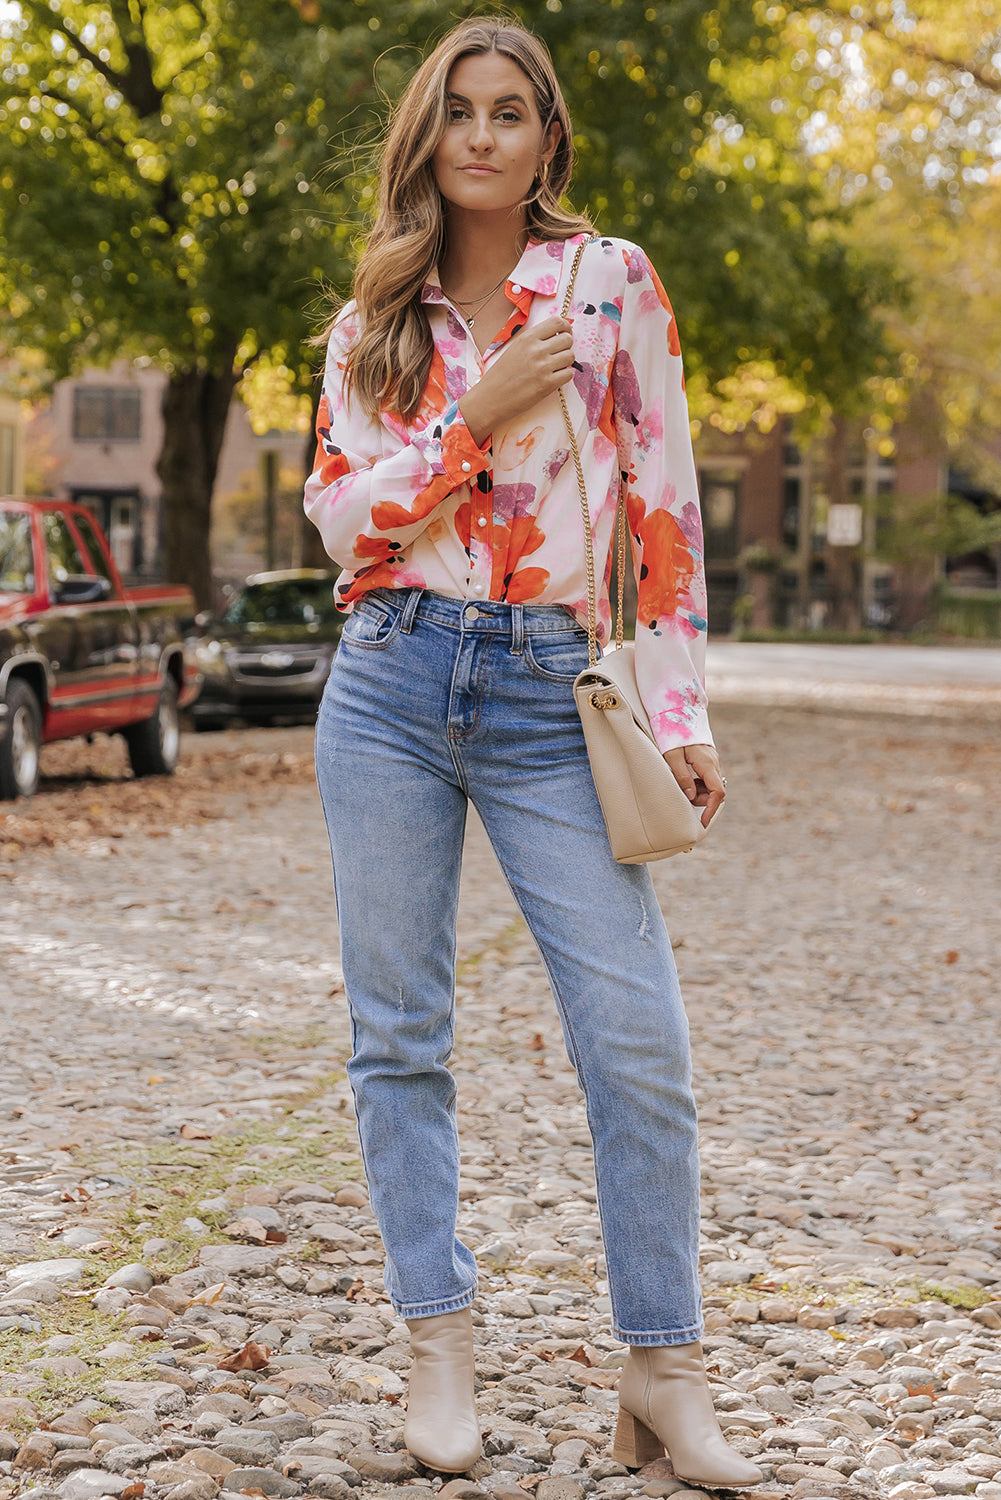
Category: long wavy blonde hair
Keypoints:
(388, 366)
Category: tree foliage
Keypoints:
(177, 180)
(900, 106)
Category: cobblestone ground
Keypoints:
(190, 1291)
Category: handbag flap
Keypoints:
(617, 669)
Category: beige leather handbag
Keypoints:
(647, 815)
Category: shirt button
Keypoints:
(481, 521)
(471, 615)
(477, 588)
(515, 288)
(466, 468)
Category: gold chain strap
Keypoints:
(620, 509)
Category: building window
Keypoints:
(720, 508)
(106, 414)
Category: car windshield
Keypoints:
(284, 602)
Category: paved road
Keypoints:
(924, 680)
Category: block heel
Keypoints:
(668, 1384)
(634, 1444)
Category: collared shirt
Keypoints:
(420, 504)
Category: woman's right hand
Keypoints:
(536, 362)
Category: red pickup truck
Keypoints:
(78, 652)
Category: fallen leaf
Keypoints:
(538, 1043)
(250, 1357)
(209, 1295)
(605, 1380)
(952, 957)
(155, 1078)
(359, 1292)
(583, 1355)
(133, 1491)
(194, 1133)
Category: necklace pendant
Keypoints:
(470, 322)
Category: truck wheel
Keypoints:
(154, 745)
(22, 742)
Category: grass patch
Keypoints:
(275, 1044)
(497, 947)
(172, 1177)
(50, 1389)
(851, 1293)
(968, 1298)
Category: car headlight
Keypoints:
(208, 655)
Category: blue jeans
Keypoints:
(431, 702)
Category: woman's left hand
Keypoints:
(697, 772)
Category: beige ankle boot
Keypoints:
(441, 1429)
(665, 1403)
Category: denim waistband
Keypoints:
(490, 615)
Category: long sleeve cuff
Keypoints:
(685, 725)
(448, 448)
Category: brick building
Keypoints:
(769, 506)
(97, 442)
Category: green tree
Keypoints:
(160, 197)
(177, 179)
(902, 107)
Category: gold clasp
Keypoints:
(603, 700)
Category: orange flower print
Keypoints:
(667, 570)
(526, 584)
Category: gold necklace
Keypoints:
(477, 303)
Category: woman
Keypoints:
(444, 489)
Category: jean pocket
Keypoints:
(371, 625)
(558, 657)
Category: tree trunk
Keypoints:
(195, 407)
(313, 553)
(270, 474)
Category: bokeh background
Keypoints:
(183, 185)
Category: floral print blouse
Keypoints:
(420, 505)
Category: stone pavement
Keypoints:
(190, 1292)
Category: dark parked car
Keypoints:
(268, 655)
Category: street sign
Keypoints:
(844, 525)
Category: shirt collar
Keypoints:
(538, 271)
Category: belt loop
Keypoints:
(517, 629)
(410, 610)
